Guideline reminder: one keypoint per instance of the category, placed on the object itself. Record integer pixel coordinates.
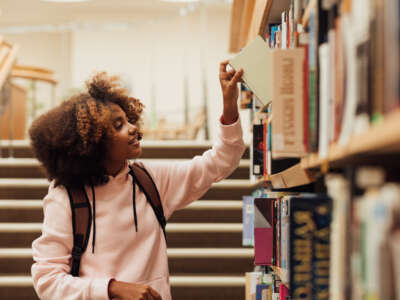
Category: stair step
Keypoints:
(210, 211)
(172, 253)
(179, 235)
(198, 261)
(19, 188)
(205, 211)
(171, 227)
(178, 281)
(151, 149)
(198, 205)
(182, 287)
(178, 293)
(30, 168)
(175, 239)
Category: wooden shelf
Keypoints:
(292, 177)
(251, 17)
(33, 73)
(381, 138)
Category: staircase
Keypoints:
(206, 259)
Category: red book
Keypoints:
(283, 292)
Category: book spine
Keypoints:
(306, 97)
(287, 124)
(258, 149)
(265, 150)
(313, 99)
(248, 221)
(321, 250)
(302, 226)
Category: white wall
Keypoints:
(158, 53)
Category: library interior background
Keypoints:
(313, 209)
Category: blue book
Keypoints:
(262, 291)
(248, 221)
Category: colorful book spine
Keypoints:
(263, 231)
(313, 92)
(258, 149)
(321, 249)
(263, 291)
(302, 225)
(248, 221)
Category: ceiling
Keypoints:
(36, 12)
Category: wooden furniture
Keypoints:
(13, 117)
(165, 131)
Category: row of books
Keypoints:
(343, 245)
(365, 236)
(292, 232)
(261, 285)
(328, 81)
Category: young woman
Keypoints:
(88, 140)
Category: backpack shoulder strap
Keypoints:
(149, 188)
(81, 220)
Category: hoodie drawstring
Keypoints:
(94, 219)
(134, 204)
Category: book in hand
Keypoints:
(255, 60)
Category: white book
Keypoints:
(324, 132)
(284, 31)
(395, 247)
(332, 84)
(256, 62)
(339, 191)
(351, 81)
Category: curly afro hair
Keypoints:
(69, 140)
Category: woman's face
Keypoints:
(123, 143)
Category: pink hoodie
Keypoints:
(121, 252)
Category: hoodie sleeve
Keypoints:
(52, 255)
(180, 184)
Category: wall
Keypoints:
(145, 55)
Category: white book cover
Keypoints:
(339, 191)
(284, 31)
(351, 81)
(324, 100)
(256, 61)
(395, 245)
(332, 84)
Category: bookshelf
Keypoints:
(381, 138)
(351, 89)
(247, 21)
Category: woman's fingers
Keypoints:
(228, 75)
(222, 66)
(236, 78)
(155, 294)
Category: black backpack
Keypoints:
(82, 215)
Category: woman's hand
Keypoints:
(131, 291)
(230, 92)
